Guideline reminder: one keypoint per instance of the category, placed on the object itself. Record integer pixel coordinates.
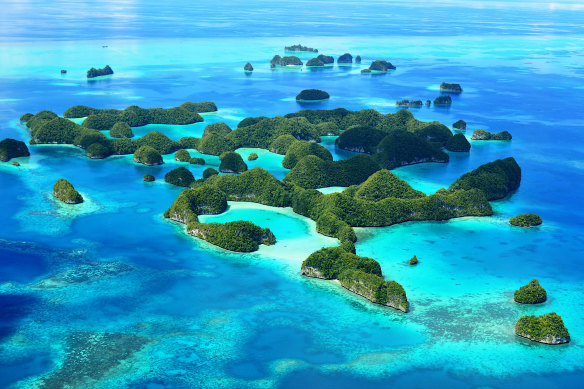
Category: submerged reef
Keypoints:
(451, 88)
(526, 220)
(312, 95)
(547, 329)
(93, 271)
(12, 148)
(64, 191)
(93, 72)
(299, 47)
(485, 135)
(532, 293)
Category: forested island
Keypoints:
(299, 47)
(547, 329)
(485, 135)
(93, 72)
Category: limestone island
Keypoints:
(147, 155)
(532, 293)
(458, 143)
(252, 157)
(314, 62)
(485, 135)
(547, 329)
(248, 67)
(443, 100)
(64, 191)
(197, 161)
(413, 260)
(526, 220)
(63, 71)
(180, 176)
(239, 236)
(231, 162)
(381, 66)
(121, 130)
(300, 48)
(148, 178)
(460, 125)
(358, 59)
(93, 72)
(312, 95)
(450, 88)
(326, 59)
(407, 103)
(345, 58)
(285, 61)
(12, 148)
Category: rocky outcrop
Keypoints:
(460, 125)
(300, 48)
(93, 72)
(285, 61)
(12, 148)
(314, 62)
(345, 58)
(312, 95)
(450, 88)
(381, 66)
(443, 100)
(408, 103)
(326, 59)
(64, 191)
(248, 67)
(481, 134)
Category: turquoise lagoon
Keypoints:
(219, 319)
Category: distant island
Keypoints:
(285, 61)
(312, 95)
(345, 58)
(485, 135)
(450, 88)
(248, 67)
(300, 48)
(381, 66)
(443, 100)
(93, 72)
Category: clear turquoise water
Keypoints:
(218, 319)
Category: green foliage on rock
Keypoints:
(314, 62)
(312, 94)
(158, 141)
(180, 176)
(123, 146)
(93, 72)
(198, 201)
(188, 142)
(64, 191)
(326, 59)
(26, 117)
(485, 135)
(252, 157)
(381, 185)
(495, 179)
(148, 178)
(148, 156)
(532, 293)
(413, 260)
(197, 161)
(302, 148)
(182, 156)
(121, 130)
(12, 148)
(57, 130)
(345, 58)
(98, 151)
(265, 131)
(281, 144)
(240, 236)
(35, 122)
(231, 162)
(217, 128)
(101, 121)
(208, 172)
(328, 128)
(215, 144)
(458, 143)
(313, 172)
(330, 262)
(460, 125)
(248, 67)
(526, 220)
(360, 139)
(285, 61)
(381, 66)
(88, 137)
(375, 289)
(205, 106)
(549, 329)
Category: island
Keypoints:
(299, 47)
(345, 58)
(285, 61)
(148, 178)
(532, 293)
(458, 143)
(239, 236)
(147, 155)
(248, 67)
(281, 144)
(300, 149)
(314, 62)
(485, 135)
(450, 88)
(252, 157)
(358, 59)
(495, 179)
(413, 260)
(93, 72)
(526, 220)
(381, 66)
(231, 162)
(365, 71)
(12, 148)
(65, 192)
(197, 161)
(408, 103)
(547, 329)
(180, 176)
(326, 59)
(121, 130)
(97, 151)
(312, 95)
(443, 100)
(460, 125)
(182, 155)
(208, 172)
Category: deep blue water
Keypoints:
(216, 319)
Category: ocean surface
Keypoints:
(214, 319)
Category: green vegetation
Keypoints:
(358, 59)
(148, 178)
(413, 260)
(312, 95)
(313, 172)
(263, 132)
(188, 142)
(330, 262)
(215, 144)
(326, 59)
(382, 185)
(121, 130)
(26, 117)
(365, 71)
(285, 61)
(182, 156)
(240, 236)
(97, 151)
(180, 176)
(381, 66)
(148, 156)
(485, 135)
(57, 130)
(64, 191)
(88, 137)
(547, 329)
(526, 220)
(101, 121)
(300, 48)
(205, 106)
(443, 100)
(405, 148)
(252, 157)
(12, 148)
(231, 162)
(300, 149)
(35, 122)
(345, 58)
(451, 88)
(197, 161)
(314, 62)
(217, 128)
(123, 146)
(495, 179)
(532, 293)
(328, 128)
(460, 125)
(248, 67)
(158, 141)
(458, 143)
(281, 144)
(198, 201)
(360, 139)
(104, 119)
(93, 72)
(208, 172)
